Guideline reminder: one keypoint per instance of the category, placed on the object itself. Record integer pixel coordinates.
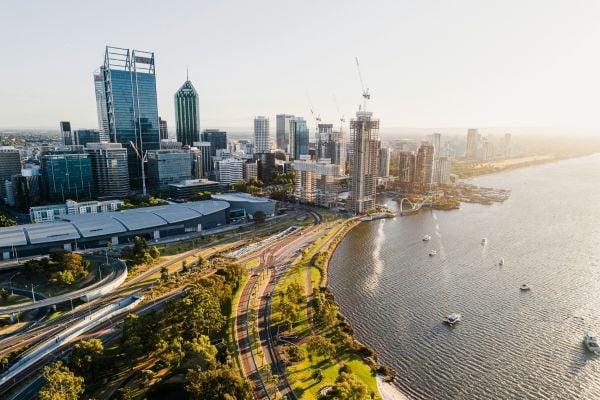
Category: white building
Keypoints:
(50, 212)
(262, 135)
(230, 171)
(317, 182)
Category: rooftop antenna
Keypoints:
(187, 73)
(365, 91)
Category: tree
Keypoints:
(201, 353)
(201, 196)
(259, 216)
(320, 346)
(4, 294)
(86, 356)
(317, 375)
(217, 384)
(154, 252)
(5, 221)
(61, 383)
(348, 387)
(164, 274)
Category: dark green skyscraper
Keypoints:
(187, 114)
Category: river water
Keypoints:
(510, 344)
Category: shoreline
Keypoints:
(555, 159)
(387, 390)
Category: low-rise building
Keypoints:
(188, 188)
(52, 212)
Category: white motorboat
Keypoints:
(426, 238)
(525, 287)
(501, 261)
(452, 318)
(592, 343)
(483, 241)
(432, 253)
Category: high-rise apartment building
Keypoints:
(66, 133)
(364, 136)
(262, 135)
(407, 161)
(298, 138)
(424, 166)
(331, 145)
(473, 138)
(166, 167)
(282, 128)
(442, 171)
(129, 85)
(163, 131)
(10, 164)
(230, 171)
(187, 114)
(109, 169)
(66, 173)
(317, 182)
(82, 137)
(385, 156)
(216, 138)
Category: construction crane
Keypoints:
(365, 91)
(316, 117)
(340, 116)
(142, 160)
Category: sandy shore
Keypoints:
(387, 391)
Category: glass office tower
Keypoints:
(66, 173)
(298, 138)
(216, 138)
(129, 84)
(187, 114)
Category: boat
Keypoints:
(432, 253)
(483, 241)
(525, 287)
(592, 343)
(501, 261)
(452, 318)
(426, 238)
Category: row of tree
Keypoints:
(62, 268)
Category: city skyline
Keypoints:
(502, 77)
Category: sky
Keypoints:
(427, 63)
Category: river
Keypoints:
(510, 344)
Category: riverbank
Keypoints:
(468, 170)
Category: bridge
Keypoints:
(116, 277)
(416, 206)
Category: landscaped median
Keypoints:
(323, 359)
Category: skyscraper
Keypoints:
(187, 114)
(424, 166)
(473, 138)
(282, 128)
(10, 164)
(66, 173)
(364, 136)
(163, 131)
(437, 143)
(129, 84)
(406, 169)
(109, 169)
(383, 169)
(82, 137)
(101, 105)
(216, 138)
(331, 145)
(298, 138)
(262, 135)
(65, 133)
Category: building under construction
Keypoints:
(364, 140)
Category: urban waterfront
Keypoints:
(510, 344)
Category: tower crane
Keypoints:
(340, 116)
(316, 117)
(365, 91)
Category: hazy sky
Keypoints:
(427, 63)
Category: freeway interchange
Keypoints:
(46, 341)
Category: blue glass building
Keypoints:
(129, 84)
(298, 138)
(66, 173)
